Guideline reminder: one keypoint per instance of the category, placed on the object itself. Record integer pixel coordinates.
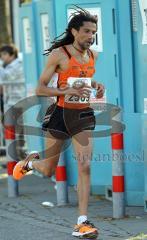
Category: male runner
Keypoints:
(71, 116)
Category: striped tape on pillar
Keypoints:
(118, 183)
(10, 167)
(61, 173)
(117, 144)
(117, 141)
(9, 132)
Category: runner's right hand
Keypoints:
(81, 92)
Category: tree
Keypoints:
(5, 26)
(25, 1)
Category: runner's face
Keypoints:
(86, 35)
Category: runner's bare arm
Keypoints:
(100, 87)
(93, 82)
(52, 64)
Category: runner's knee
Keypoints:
(84, 168)
(49, 172)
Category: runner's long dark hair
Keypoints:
(76, 21)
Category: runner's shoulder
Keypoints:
(56, 55)
(95, 53)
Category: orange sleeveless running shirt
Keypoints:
(74, 70)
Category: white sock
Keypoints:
(30, 165)
(81, 219)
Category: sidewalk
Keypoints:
(25, 218)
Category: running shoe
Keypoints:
(85, 230)
(21, 168)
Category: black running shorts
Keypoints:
(64, 123)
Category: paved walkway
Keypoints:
(24, 217)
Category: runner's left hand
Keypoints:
(100, 89)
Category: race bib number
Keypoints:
(77, 83)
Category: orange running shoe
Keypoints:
(21, 168)
(85, 230)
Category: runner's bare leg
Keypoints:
(83, 155)
(48, 165)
